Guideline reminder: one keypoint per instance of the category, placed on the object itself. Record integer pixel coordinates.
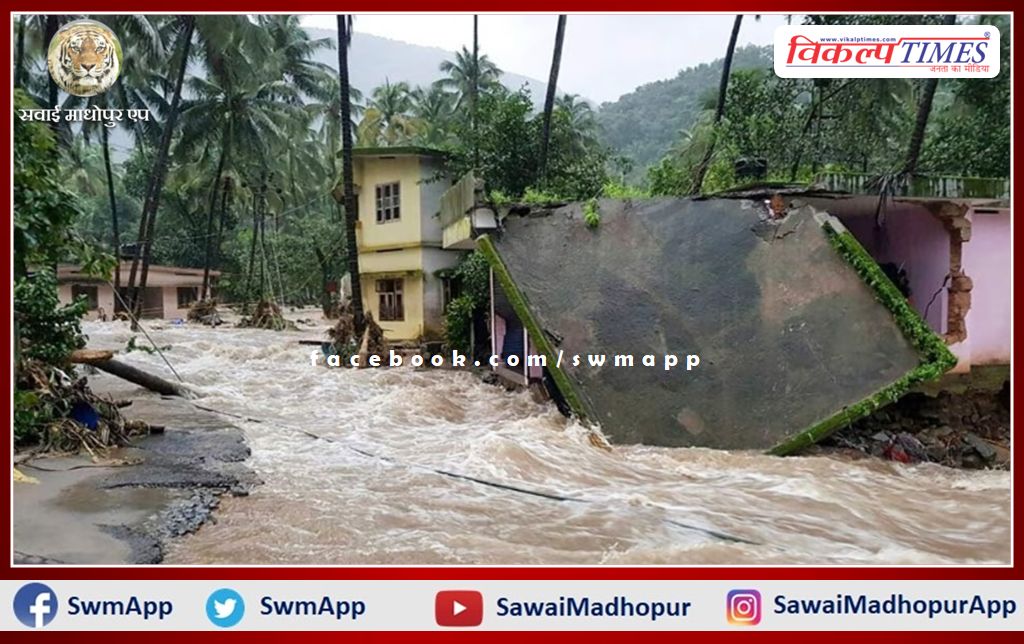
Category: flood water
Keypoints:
(372, 493)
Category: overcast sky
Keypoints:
(604, 56)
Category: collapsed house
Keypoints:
(808, 310)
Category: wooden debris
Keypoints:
(267, 316)
(89, 356)
(141, 378)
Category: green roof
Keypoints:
(397, 151)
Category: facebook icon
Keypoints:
(35, 605)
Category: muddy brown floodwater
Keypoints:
(371, 495)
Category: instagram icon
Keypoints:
(743, 607)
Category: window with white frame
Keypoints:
(388, 202)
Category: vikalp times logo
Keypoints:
(35, 605)
(887, 51)
(743, 607)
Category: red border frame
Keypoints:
(490, 572)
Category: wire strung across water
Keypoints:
(472, 479)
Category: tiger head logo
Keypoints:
(84, 58)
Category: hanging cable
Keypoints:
(472, 479)
(136, 322)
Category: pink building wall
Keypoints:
(986, 260)
(916, 240)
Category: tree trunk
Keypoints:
(263, 253)
(138, 377)
(723, 86)
(252, 253)
(114, 227)
(351, 207)
(225, 197)
(156, 180)
(19, 55)
(325, 280)
(138, 132)
(474, 89)
(549, 100)
(924, 111)
(205, 292)
(49, 32)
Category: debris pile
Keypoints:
(205, 312)
(374, 343)
(345, 342)
(67, 416)
(969, 430)
(342, 334)
(267, 316)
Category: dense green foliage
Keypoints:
(44, 207)
(643, 124)
(45, 210)
(255, 153)
(49, 331)
(803, 127)
(507, 142)
(472, 280)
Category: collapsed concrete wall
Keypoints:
(797, 329)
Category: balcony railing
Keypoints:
(920, 186)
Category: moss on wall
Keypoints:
(522, 309)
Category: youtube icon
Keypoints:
(458, 608)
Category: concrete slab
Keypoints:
(792, 339)
(122, 507)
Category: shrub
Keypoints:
(48, 331)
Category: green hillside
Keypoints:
(643, 124)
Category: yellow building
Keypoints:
(399, 239)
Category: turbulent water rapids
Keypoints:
(372, 494)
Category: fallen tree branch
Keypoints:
(131, 374)
(88, 356)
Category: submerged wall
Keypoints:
(789, 335)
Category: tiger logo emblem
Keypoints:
(84, 58)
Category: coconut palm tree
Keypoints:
(247, 98)
(924, 110)
(50, 30)
(391, 104)
(145, 40)
(145, 44)
(328, 113)
(723, 86)
(549, 100)
(19, 52)
(581, 118)
(465, 77)
(147, 220)
(475, 91)
(294, 53)
(348, 183)
(432, 108)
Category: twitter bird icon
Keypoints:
(225, 607)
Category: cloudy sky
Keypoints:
(604, 56)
